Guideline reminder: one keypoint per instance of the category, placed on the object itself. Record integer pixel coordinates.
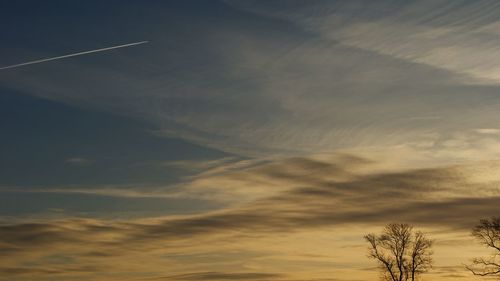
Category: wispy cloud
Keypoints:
(304, 195)
(438, 34)
(339, 116)
(305, 79)
(221, 276)
(77, 161)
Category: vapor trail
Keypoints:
(73, 55)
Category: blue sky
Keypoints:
(242, 135)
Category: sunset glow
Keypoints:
(244, 140)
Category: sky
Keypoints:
(245, 140)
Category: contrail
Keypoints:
(73, 55)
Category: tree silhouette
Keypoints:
(402, 254)
(488, 234)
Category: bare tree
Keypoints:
(488, 234)
(403, 254)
